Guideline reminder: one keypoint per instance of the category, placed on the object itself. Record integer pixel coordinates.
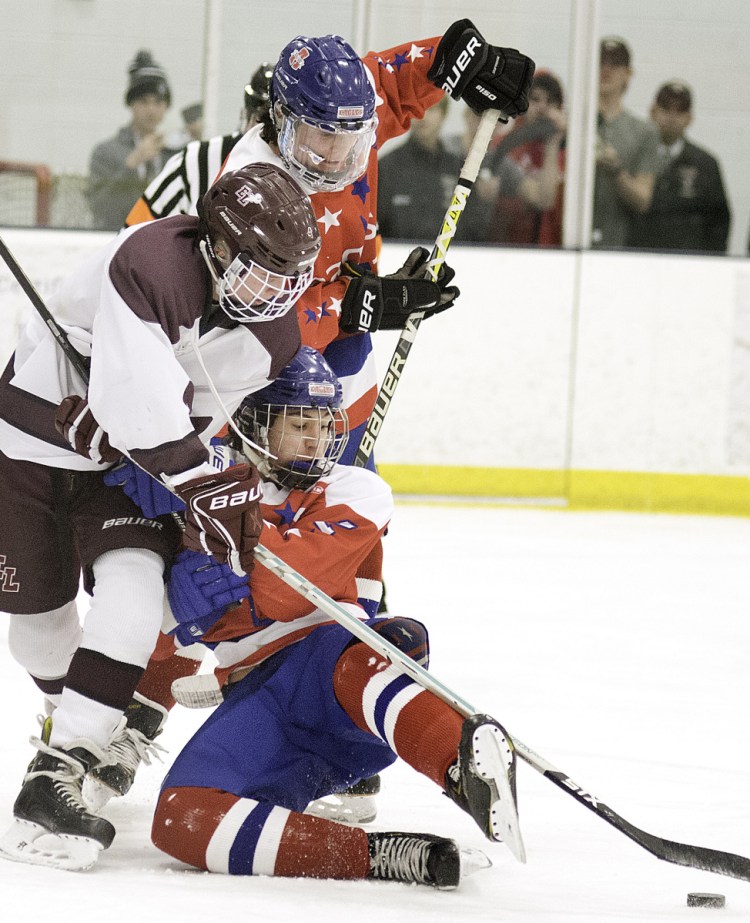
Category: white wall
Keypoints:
(549, 360)
(615, 362)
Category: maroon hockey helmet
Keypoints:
(267, 223)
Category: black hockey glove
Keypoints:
(385, 302)
(483, 75)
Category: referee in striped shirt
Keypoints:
(189, 173)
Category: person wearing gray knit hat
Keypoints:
(121, 167)
(146, 76)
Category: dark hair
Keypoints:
(268, 132)
(614, 51)
(548, 83)
(675, 95)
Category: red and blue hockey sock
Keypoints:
(418, 726)
(219, 832)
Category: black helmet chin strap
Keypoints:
(209, 256)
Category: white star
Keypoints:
(335, 306)
(330, 220)
(415, 52)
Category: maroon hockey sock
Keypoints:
(422, 729)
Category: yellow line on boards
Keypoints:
(577, 489)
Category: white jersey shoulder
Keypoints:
(251, 148)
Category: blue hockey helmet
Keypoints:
(323, 106)
(297, 421)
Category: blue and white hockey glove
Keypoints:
(149, 494)
(200, 591)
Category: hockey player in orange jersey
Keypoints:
(307, 709)
(329, 111)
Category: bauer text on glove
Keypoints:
(483, 75)
(223, 516)
(376, 302)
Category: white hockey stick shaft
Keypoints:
(466, 180)
(359, 629)
(700, 857)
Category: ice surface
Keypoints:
(616, 645)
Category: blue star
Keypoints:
(364, 222)
(384, 64)
(286, 515)
(311, 315)
(399, 61)
(360, 188)
(323, 312)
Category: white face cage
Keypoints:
(325, 156)
(305, 442)
(248, 292)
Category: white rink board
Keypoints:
(641, 364)
(550, 360)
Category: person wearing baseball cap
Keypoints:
(626, 159)
(121, 167)
(689, 210)
(614, 52)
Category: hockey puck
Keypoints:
(698, 899)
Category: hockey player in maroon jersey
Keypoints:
(177, 320)
(307, 709)
(328, 113)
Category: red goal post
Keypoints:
(25, 194)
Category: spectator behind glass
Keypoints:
(536, 144)
(121, 167)
(689, 210)
(256, 96)
(192, 118)
(416, 182)
(626, 160)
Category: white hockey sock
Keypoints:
(126, 608)
(119, 634)
(44, 643)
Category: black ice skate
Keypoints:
(132, 745)
(52, 825)
(482, 781)
(420, 858)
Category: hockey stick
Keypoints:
(466, 179)
(80, 363)
(699, 857)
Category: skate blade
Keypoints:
(345, 809)
(199, 691)
(472, 861)
(493, 758)
(30, 843)
(96, 794)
